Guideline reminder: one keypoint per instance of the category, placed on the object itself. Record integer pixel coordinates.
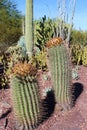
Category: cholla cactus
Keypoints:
(84, 56)
(76, 53)
(59, 64)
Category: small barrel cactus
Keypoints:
(25, 96)
(59, 64)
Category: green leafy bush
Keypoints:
(10, 24)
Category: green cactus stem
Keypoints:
(26, 102)
(59, 64)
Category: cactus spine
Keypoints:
(61, 72)
(29, 27)
(26, 99)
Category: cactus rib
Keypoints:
(59, 64)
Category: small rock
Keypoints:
(6, 105)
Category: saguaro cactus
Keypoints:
(59, 64)
(29, 27)
(25, 97)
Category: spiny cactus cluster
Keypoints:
(25, 96)
(84, 56)
(76, 53)
(40, 60)
(43, 32)
(59, 64)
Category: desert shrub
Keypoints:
(78, 36)
(10, 24)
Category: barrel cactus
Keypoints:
(59, 64)
(25, 96)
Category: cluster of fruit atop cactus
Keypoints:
(24, 69)
(54, 42)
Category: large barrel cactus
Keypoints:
(25, 96)
(59, 64)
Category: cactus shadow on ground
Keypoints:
(5, 114)
(77, 90)
(48, 104)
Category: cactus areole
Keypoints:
(29, 38)
(59, 64)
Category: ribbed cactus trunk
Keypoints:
(29, 38)
(26, 102)
(59, 63)
(23, 26)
